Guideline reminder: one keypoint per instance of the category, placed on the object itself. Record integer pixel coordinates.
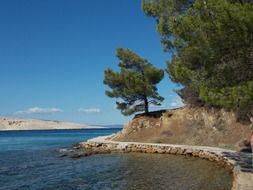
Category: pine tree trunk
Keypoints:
(146, 104)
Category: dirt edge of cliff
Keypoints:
(188, 125)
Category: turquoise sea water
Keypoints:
(31, 160)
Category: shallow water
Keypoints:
(30, 160)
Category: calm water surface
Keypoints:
(30, 160)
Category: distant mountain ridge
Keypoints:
(7, 123)
(113, 126)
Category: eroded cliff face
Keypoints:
(188, 125)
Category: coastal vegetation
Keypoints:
(211, 47)
(134, 85)
(211, 43)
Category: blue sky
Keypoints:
(53, 54)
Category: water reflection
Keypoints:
(153, 171)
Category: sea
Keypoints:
(31, 160)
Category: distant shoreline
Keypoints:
(5, 130)
(20, 124)
(31, 130)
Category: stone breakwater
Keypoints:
(240, 164)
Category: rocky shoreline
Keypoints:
(239, 163)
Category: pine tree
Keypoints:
(211, 43)
(134, 86)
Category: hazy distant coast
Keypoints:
(7, 123)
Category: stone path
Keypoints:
(240, 163)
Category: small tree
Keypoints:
(134, 85)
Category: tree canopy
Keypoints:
(134, 86)
(211, 42)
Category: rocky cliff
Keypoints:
(188, 125)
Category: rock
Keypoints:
(81, 154)
(173, 150)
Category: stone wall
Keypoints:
(147, 148)
(238, 163)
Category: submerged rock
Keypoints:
(73, 152)
(81, 154)
(78, 151)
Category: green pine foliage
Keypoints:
(211, 42)
(134, 86)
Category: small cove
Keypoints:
(29, 160)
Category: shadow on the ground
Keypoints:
(154, 114)
(242, 159)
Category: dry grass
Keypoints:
(188, 125)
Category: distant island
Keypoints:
(7, 124)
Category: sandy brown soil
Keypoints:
(188, 125)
